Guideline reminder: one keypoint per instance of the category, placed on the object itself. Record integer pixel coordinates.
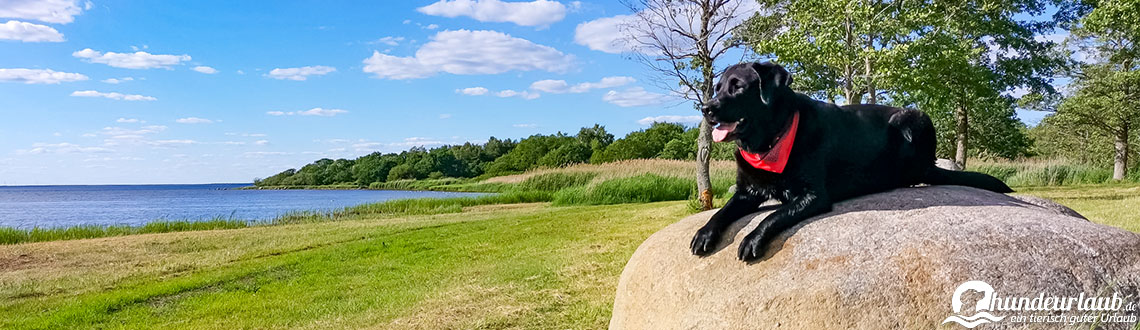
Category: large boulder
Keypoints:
(885, 261)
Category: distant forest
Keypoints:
(500, 157)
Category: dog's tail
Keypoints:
(939, 176)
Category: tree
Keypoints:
(952, 59)
(1107, 101)
(681, 41)
(841, 49)
(647, 143)
(1108, 96)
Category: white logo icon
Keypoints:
(981, 314)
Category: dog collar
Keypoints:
(776, 158)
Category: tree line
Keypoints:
(499, 157)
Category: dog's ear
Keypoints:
(773, 79)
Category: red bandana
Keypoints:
(775, 159)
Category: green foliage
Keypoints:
(527, 153)
(556, 181)
(647, 143)
(932, 55)
(638, 189)
(494, 158)
(566, 154)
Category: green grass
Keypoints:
(528, 267)
(1109, 204)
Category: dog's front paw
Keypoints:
(704, 242)
(752, 247)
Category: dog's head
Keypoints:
(746, 106)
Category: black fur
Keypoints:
(839, 153)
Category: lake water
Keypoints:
(62, 206)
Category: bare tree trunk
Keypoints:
(962, 136)
(704, 136)
(1120, 159)
(704, 182)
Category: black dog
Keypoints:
(809, 154)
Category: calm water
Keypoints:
(61, 206)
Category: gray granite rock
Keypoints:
(885, 261)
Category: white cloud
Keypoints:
(468, 53)
(300, 73)
(605, 34)
(523, 94)
(539, 13)
(431, 26)
(525, 125)
(61, 148)
(445, 116)
(49, 11)
(205, 69)
(129, 120)
(560, 86)
(117, 80)
(39, 76)
(170, 143)
(194, 120)
(472, 91)
(611, 35)
(125, 133)
(258, 154)
(113, 96)
(28, 32)
(390, 41)
(634, 97)
(136, 60)
(261, 142)
(311, 112)
(670, 119)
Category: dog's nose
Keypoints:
(708, 107)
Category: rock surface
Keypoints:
(885, 261)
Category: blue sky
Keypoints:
(108, 91)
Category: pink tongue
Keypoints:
(721, 131)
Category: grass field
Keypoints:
(528, 265)
(522, 265)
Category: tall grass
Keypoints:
(1053, 172)
(556, 181)
(685, 169)
(643, 188)
(443, 184)
(14, 236)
